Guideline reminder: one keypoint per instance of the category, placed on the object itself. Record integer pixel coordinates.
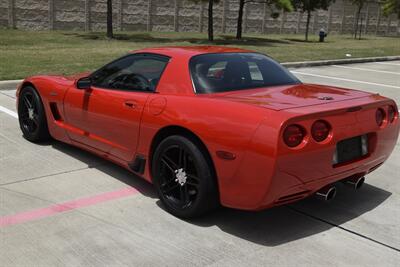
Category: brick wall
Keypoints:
(185, 16)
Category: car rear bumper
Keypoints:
(274, 175)
(283, 187)
(295, 193)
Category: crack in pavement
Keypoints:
(53, 174)
(7, 95)
(343, 228)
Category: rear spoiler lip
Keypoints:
(327, 102)
(327, 107)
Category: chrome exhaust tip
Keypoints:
(355, 182)
(327, 193)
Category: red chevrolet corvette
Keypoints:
(214, 125)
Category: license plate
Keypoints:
(351, 149)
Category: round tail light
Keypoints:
(391, 113)
(293, 135)
(380, 116)
(320, 130)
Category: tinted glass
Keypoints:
(135, 72)
(213, 73)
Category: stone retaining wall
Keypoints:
(185, 16)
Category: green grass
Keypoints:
(24, 53)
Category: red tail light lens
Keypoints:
(391, 113)
(380, 116)
(320, 130)
(293, 135)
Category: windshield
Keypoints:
(214, 73)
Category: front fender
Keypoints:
(52, 90)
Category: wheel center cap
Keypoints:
(30, 113)
(180, 176)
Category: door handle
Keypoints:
(130, 104)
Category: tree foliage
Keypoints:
(311, 5)
(391, 7)
(280, 4)
(308, 6)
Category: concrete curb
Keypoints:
(338, 61)
(12, 84)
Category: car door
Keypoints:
(107, 115)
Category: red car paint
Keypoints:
(242, 130)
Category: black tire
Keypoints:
(185, 198)
(32, 116)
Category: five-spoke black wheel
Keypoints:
(31, 116)
(184, 177)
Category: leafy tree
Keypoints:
(391, 7)
(307, 6)
(210, 17)
(284, 4)
(110, 33)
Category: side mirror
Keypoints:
(84, 83)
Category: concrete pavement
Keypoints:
(357, 228)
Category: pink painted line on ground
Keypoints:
(66, 206)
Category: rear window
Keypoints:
(214, 73)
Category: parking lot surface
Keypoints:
(61, 206)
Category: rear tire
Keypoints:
(32, 116)
(184, 178)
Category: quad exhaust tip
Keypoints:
(327, 193)
(355, 182)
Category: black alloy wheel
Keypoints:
(183, 177)
(31, 116)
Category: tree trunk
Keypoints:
(357, 21)
(110, 33)
(356, 27)
(240, 20)
(361, 22)
(308, 23)
(210, 20)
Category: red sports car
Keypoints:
(214, 125)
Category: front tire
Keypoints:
(32, 116)
(184, 177)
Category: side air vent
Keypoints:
(354, 109)
(55, 112)
(138, 164)
(292, 197)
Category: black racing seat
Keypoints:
(237, 74)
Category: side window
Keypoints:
(133, 73)
(255, 72)
(216, 71)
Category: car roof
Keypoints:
(190, 51)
